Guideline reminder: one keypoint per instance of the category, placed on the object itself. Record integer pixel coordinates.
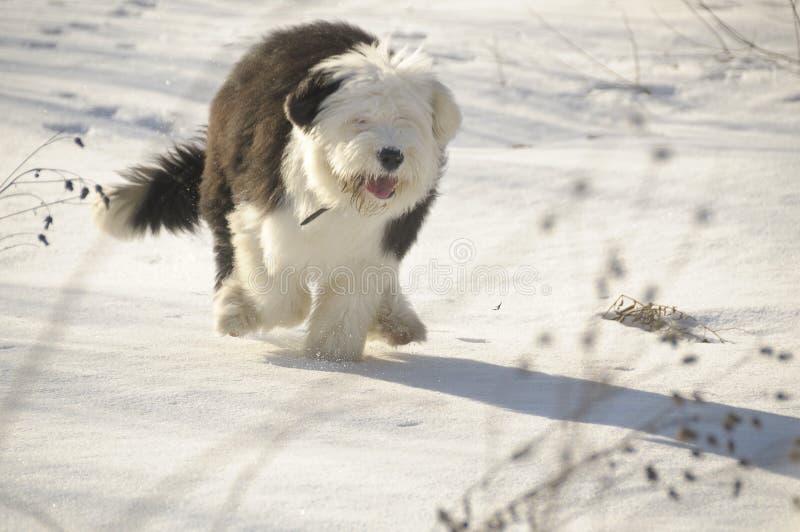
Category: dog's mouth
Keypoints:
(382, 187)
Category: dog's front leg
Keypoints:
(339, 321)
(396, 323)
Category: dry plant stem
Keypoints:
(658, 423)
(586, 54)
(600, 497)
(498, 60)
(24, 195)
(677, 32)
(555, 482)
(710, 27)
(9, 180)
(653, 316)
(73, 176)
(24, 233)
(793, 3)
(23, 244)
(634, 48)
(43, 205)
(735, 34)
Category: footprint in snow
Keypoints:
(145, 4)
(121, 12)
(474, 340)
(457, 57)
(39, 45)
(84, 26)
(103, 111)
(52, 30)
(409, 35)
(155, 123)
(74, 128)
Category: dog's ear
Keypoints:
(446, 114)
(302, 105)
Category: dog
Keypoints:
(318, 166)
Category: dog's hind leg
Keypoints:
(234, 310)
(235, 248)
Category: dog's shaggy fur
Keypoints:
(319, 116)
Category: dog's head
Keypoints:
(373, 128)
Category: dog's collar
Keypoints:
(314, 216)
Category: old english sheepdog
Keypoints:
(320, 162)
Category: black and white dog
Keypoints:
(319, 120)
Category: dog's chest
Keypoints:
(335, 239)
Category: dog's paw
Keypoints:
(401, 329)
(335, 346)
(234, 313)
(240, 323)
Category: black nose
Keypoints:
(390, 158)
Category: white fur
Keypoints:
(285, 272)
(115, 219)
(383, 101)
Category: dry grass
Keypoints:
(19, 184)
(670, 322)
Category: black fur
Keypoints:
(303, 104)
(247, 134)
(171, 188)
(223, 245)
(401, 233)
(249, 128)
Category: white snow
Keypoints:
(121, 409)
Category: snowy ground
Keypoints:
(121, 410)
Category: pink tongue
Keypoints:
(382, 187)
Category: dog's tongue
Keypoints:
(382, 187)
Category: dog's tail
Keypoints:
(164, 195)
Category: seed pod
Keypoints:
(686, 434)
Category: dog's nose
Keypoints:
(390, 158)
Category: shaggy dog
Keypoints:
(321, 160)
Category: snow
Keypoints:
(121, 410)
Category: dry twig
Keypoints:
(674, 324)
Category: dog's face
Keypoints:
(374, 127)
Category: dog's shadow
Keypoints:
(762, 438)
